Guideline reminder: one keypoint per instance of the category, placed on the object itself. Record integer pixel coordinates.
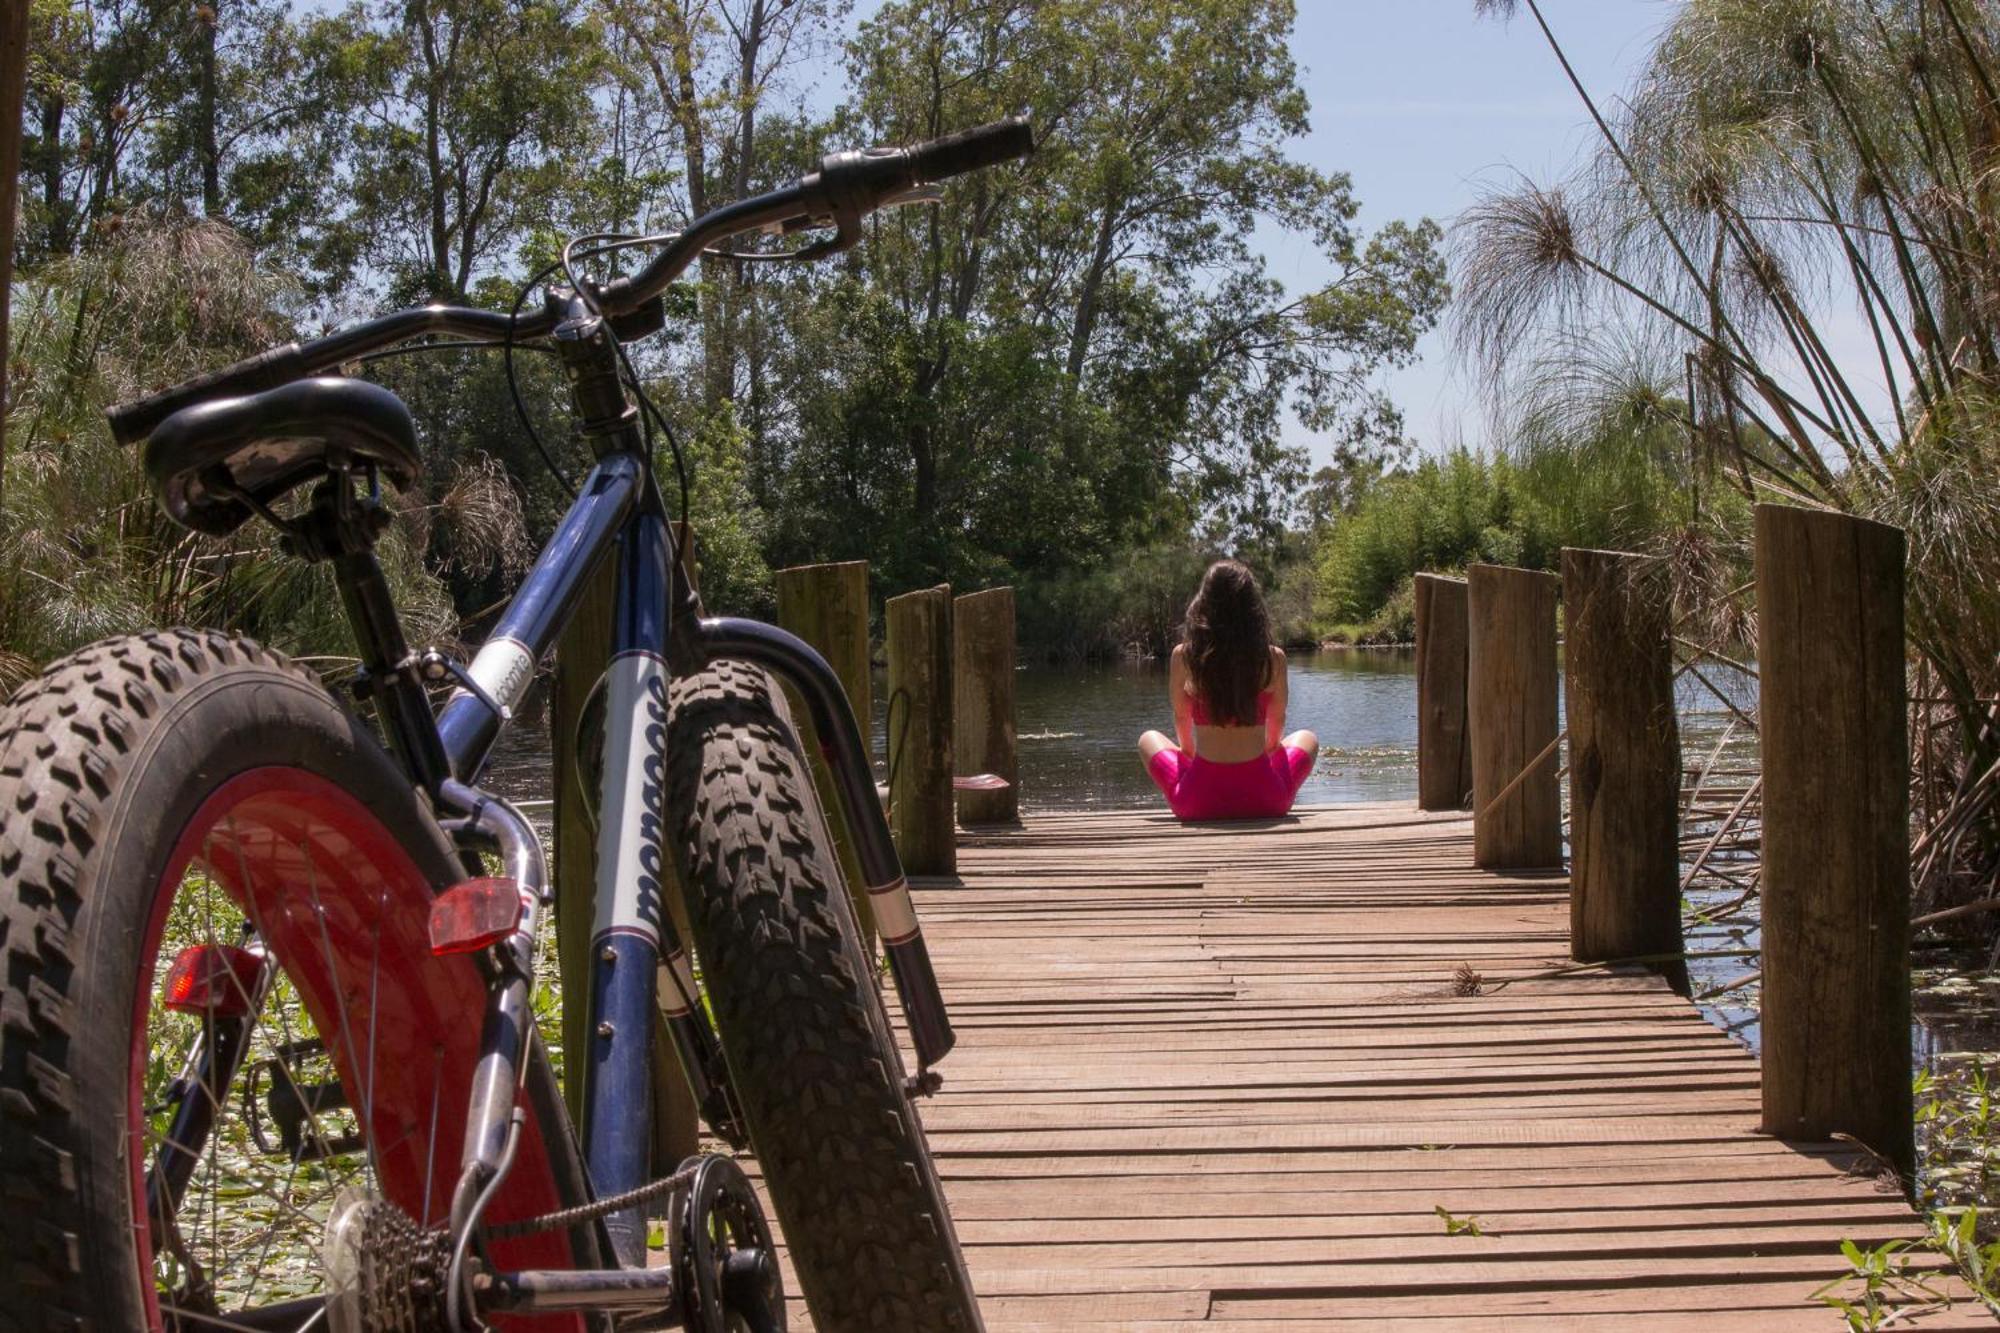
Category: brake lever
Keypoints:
(921, 194)
(846, 236)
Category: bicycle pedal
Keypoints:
(923, 1084)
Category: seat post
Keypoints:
(343, 527)
(390, 672)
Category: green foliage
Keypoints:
(85, 553)
(1780, 171)
(1887, 1282)
(729, 528)
(1074, 375)
(1137, 600)
(1954, 1233)
(1607, 474)
(1455, 1225)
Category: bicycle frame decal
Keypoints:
(631, 830)
(504, 668)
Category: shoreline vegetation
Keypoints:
(1075, 376)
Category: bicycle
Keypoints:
(221, 882)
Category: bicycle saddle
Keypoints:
(203, 460)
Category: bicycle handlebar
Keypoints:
(846, 187)
(969, 150)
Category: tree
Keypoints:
(473, 117)
(1091, 339)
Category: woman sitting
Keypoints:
(1227, 688)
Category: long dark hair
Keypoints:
(1229, 643)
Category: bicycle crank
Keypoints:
(724, 1260)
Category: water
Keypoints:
(1078, 729)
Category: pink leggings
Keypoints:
(1260, 788)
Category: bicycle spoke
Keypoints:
(229, 1192)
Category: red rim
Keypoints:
(345, 911)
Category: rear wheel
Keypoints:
(809, 1046)
(188, 798)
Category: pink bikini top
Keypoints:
(1202, 718)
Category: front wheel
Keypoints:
(809, 1046)
(221, 1014)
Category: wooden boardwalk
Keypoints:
(1232, 1075)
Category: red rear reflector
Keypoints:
(215, 979)
(468, 917)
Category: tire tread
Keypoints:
(809, 1047)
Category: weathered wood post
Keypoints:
(982, 722)
(918, 729)
(1444, 750)
(1624, 761)
(1835, 739)
(582, 654)
(1511, 712)
(827, 606)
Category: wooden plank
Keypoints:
(1190, 1092)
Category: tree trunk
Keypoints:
(211, 163)
(13, 95)
(1093, 288)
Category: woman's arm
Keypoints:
(1181, 701)
(1274, 722)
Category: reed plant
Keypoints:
(1794, 210)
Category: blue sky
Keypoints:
(1422, 103)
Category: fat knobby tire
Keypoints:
(809, 1046)
(103, 761)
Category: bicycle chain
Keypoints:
(589, 1212)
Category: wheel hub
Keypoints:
(385, 1274)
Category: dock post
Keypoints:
(1624, 761)
(827, 606)
(582, 654)
(1444, 752)
(917, 725)
(1833, 727)
(982, 722)
(1511, 712)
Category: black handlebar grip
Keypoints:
(134, 421)
(969, 150)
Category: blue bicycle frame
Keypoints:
(659, 634)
